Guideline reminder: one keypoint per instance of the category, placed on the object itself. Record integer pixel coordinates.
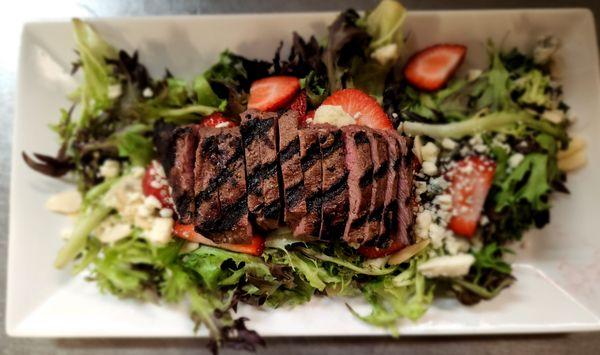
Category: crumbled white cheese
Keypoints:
(484, 220)
(455, 245)
(473, 74)
(417, 145)
(161, 231)
(112, 232)
(147, 93)
(423, 221)
(449, 144)
(436, 235)
(478, 145)
(515, 160)
(429, 168)
(66, 202)
(152, 202)
(109, 169)
(447, 266)
(554, 116)
(334, 115)
(444, 201)
(386, 54)
(430, 152)
(222, 125)
(165, 213)
(114, 91)
(420, 187)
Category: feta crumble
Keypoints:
(386, 54)
(109, 169)
(447, 266)
(334, 115)
(515, 160)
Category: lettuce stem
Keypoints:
(176, 112)
(357, 269)
(78, 239)
(491, 122)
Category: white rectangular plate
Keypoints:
(557, 268)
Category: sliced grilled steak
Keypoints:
(182, 157)
(405, 188)
(334, 184)
(390, 206)
(310, 162)
(360, 179)
(291, 172)
(206, 187)
(250, 130)
(269, 218)
(379, 156)
(234, 225)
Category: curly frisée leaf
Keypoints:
(384, 24)
(407, 295)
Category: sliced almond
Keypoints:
(576, 144)
(574, 161)
(408, 252)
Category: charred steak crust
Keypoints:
(334, 195)
(206, 191)
(379, 155)
(234, 225)
(182, 158)
(310, 162)
(291, 172)
(360, 177)
(406, 198)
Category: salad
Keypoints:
(461, 162)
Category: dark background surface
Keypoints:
(14, 13)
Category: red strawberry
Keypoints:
(215, 119)
(299, 103)
(374, 252)
(361, 106)
(470, 181)
(272, 93)
(154, 183)
(432, 67)
(187, 232)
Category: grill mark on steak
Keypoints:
(269, 220)
(181, 156)
(389, 223)
(290, 150)
(334, 201)
(206, 195)
(360, 174)
(291, 171)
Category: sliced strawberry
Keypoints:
(217, 119)
(187, 232)
(361, 106)
(470, 181)
(299, 103)
(154, 183)
(272, 93)
(431, 68)
(375, 252)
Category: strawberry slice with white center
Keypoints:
(470, 182)
(217, 120)
(431, 68)
(362, 107)
(272, 93)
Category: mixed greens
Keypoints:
(511, 113)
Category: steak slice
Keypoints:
(405, 190)
(390, 204)
(206, 189)
(182, 157)
(270, 216)
(234, 225)
(360, 178)
(379, 156)
(291, 172)
(334, 195)
(249, 129)
(310, 162)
